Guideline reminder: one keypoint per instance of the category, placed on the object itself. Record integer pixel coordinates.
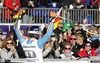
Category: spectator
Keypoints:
(56, 3)
(80, 43)
(94, 4)
(10, 34)
(87, 52)
(78, 4)
(87, 35)
(66, 51)
(96, 32)
(51, 49)
(77, 29)
(74, 45)
(13, 6)
(8, 50)
(64, 37)
(25, 3)
(44, 3)
(67, 3)
(58, 29)
(91, 29)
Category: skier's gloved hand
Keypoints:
(53, 19)
(21, 13)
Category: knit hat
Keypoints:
(95, 39)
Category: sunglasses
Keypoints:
(88, 45)
(0, 33)
(72, 38)
(52, 40)
(76, 25)
(9, 43)
(60, 23)
(67, 48)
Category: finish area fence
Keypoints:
(41, 15)
(95, 59)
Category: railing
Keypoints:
(80, 14)
(93, 59)
(41, 15)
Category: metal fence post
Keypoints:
(63, 14)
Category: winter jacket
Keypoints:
(66, 55)
(75, 4)
(5, 55)
(19, 48)
(98, 51)
(48, 53)
(83, 53)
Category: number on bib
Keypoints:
(30, 54)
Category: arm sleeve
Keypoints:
(18, 4)
(42, 41)
(74, 4)
(18, 33)
(92, 2)
(57, 53)
(45, 52)
(7, 4)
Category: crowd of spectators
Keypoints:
(73, 42)
(77, 41)
(62, 43)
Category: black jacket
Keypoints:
(57, 31)
(19, 48)
(67, 2)
(75, 4)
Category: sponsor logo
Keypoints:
(29, 46)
